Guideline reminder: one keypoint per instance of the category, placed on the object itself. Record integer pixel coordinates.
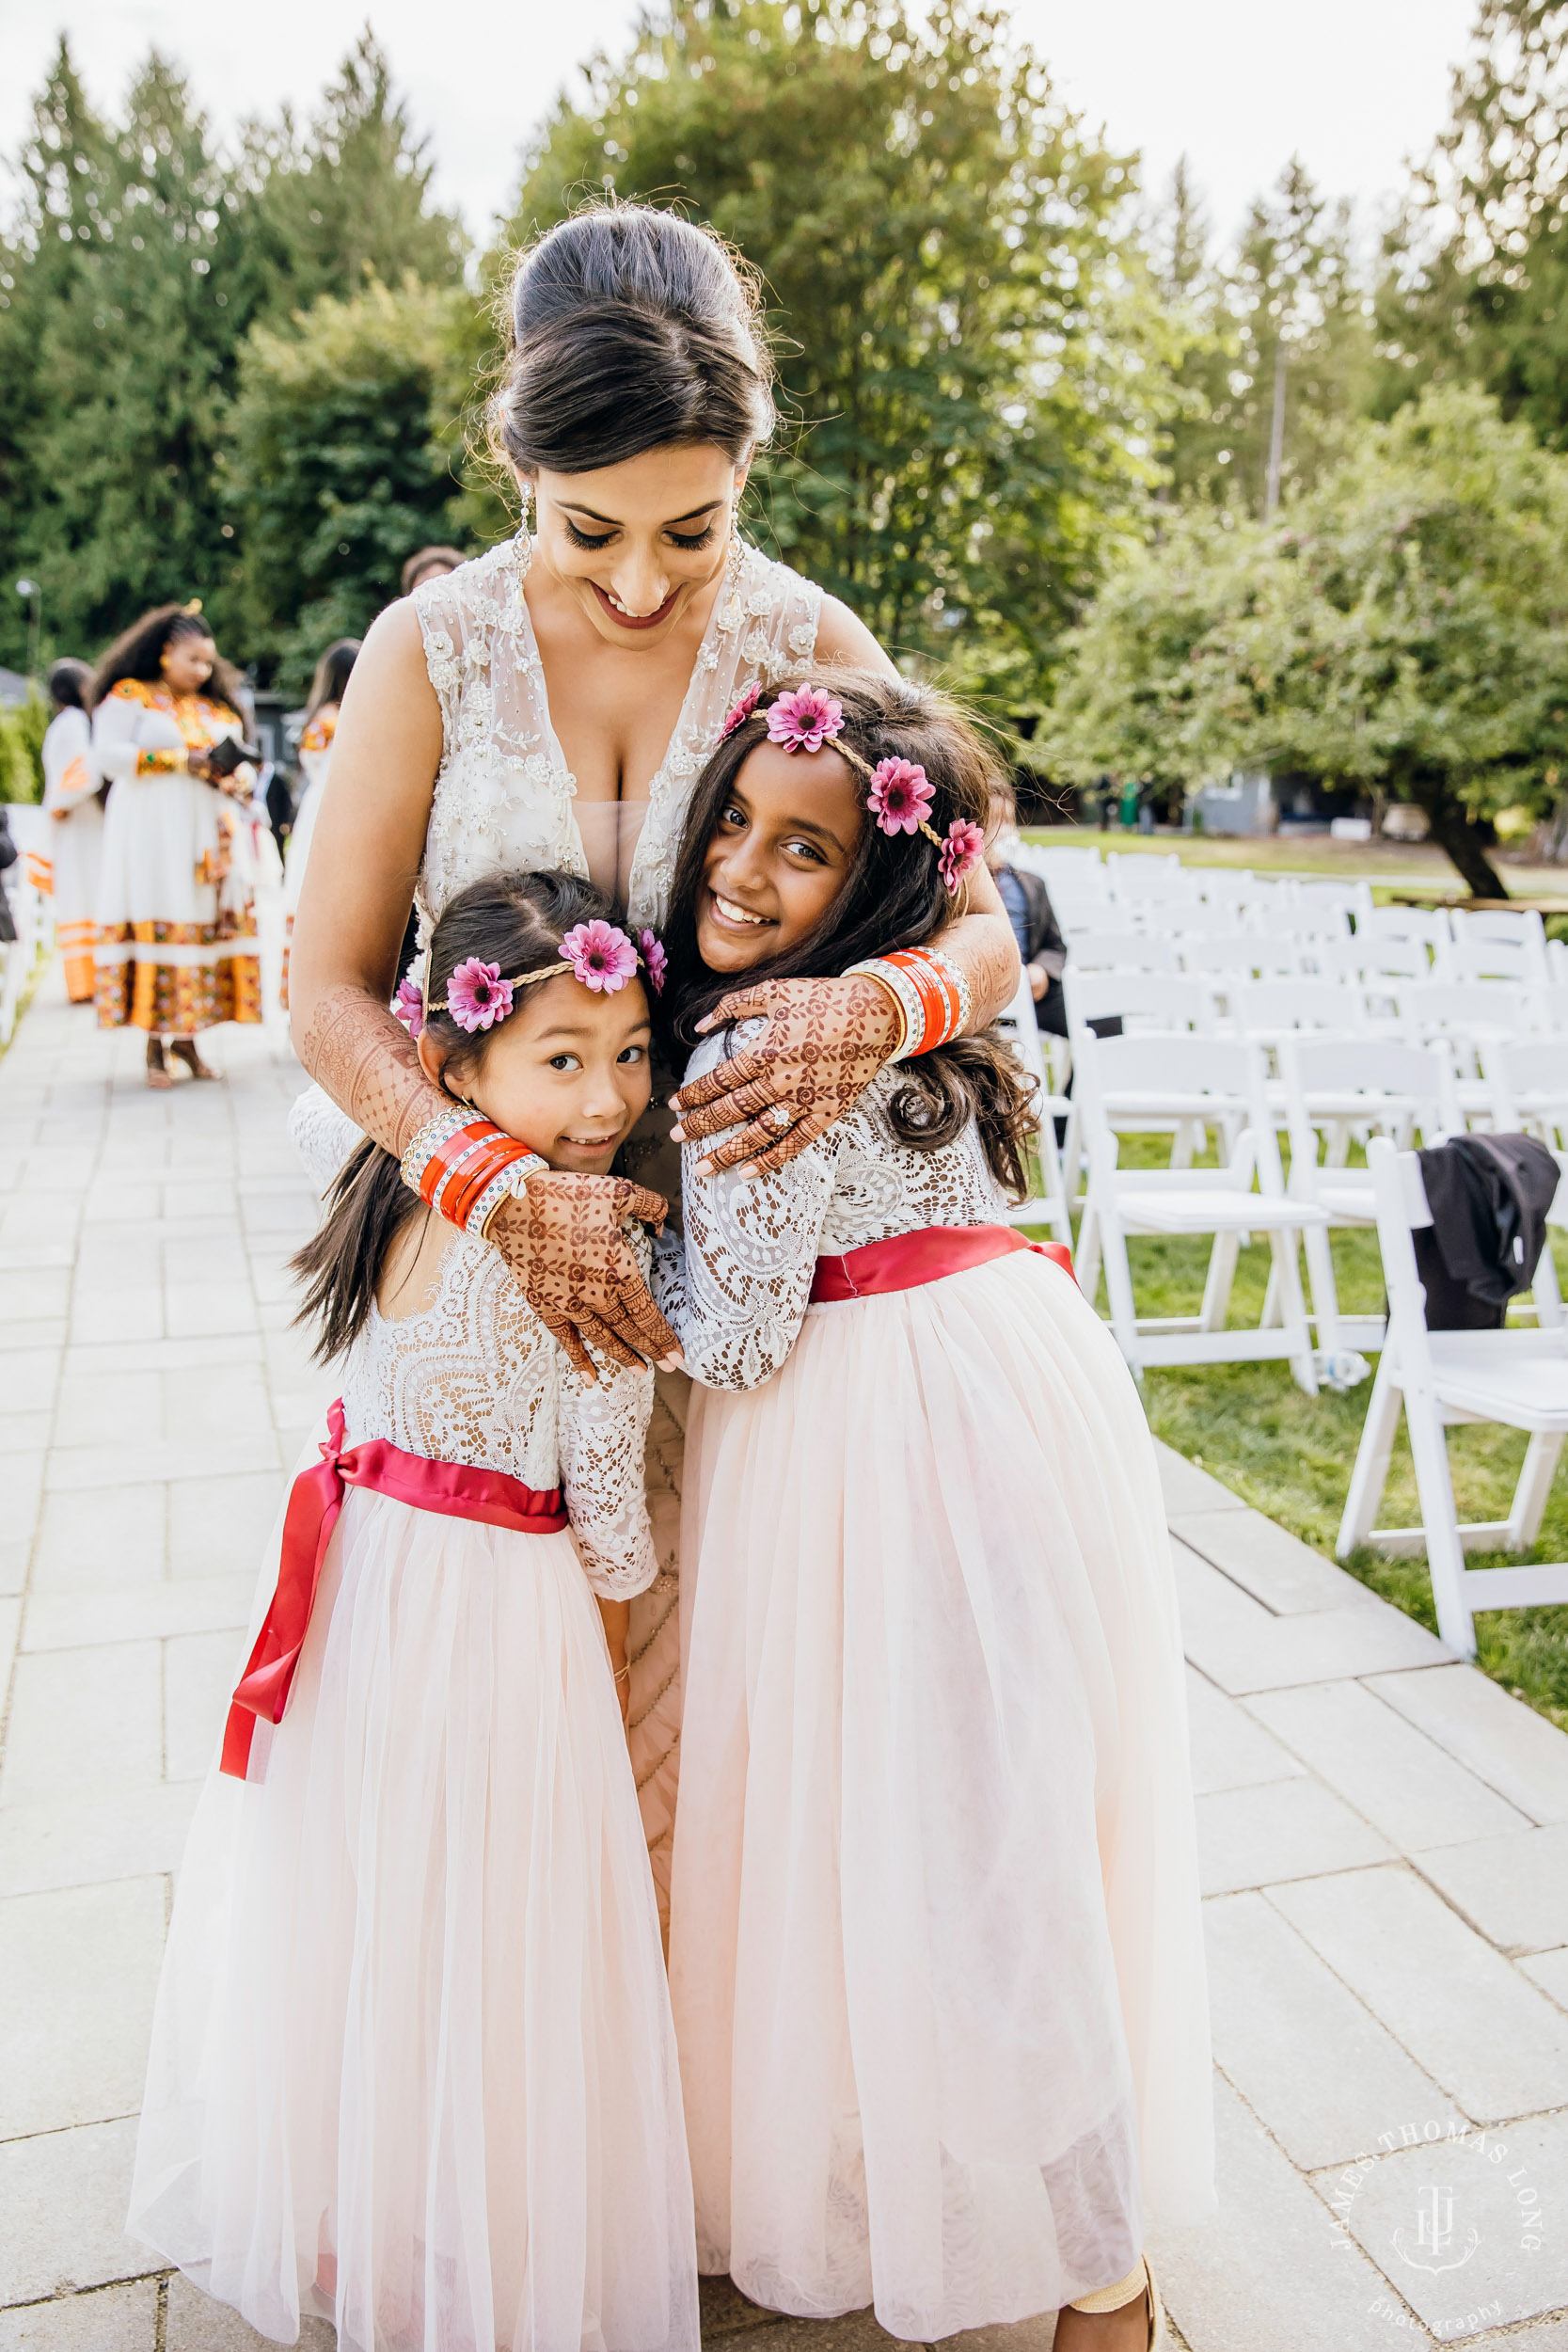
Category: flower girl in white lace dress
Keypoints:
(935, 1948)
(413, 2068)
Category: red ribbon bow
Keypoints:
(453, 1489)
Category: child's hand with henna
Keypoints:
(565, 1243)
(825, 1042)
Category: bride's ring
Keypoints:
(779, 1114)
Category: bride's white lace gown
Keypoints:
(504, 796)
(935, 1948)
(413, 2067)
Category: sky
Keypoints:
(1354, 86)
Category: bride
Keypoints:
(550, 705)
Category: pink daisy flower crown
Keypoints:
(597, 953)
(806, 718)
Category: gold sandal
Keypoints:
(1116, 2298)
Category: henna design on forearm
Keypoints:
(985, 952)
(365, 1058)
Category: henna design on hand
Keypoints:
(565, 1244)
(825, 1042)
(366, 1060)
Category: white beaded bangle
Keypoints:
(508, 1186)
(906, 997)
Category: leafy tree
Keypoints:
(969, 344)
(1290, 295)
(1477, 282)
(21, 733)
(334, 468)
(1402, 631)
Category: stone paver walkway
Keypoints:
(1385, 1832)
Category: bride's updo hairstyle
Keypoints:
(630, 330)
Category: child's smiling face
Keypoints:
(778, 854)
(566, 1072)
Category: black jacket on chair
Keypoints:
(1489, 1196)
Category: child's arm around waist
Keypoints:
(737, 1293)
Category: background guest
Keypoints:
(1029, 911)
(429, 564)
(315, 757)
(71, 795)
(177, 948)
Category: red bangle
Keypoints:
(478, 1173)
(940, 999)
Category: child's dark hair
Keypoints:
(515, 920)
(892, 896)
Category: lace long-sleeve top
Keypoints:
(737, 1289)
(475, 1377)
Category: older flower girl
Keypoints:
(413, 2068)
(935, 1957)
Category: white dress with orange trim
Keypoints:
(315, 757)
(75, 844)
(176, 947)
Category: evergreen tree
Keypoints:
(968, 347)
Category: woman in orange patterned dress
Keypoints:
(177, 950)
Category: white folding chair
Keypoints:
(1469, 1015)
(1267, 1010)
(1213, 1081)
(1529, 1082)
(1335, 1088)
(1022, 1032)
(1141, 1001)
(1499, 945)
(1430, 926)
(1517, 1378)
(1119, 951)
(1548, 1003)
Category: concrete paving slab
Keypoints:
(64, 2196)
(100, 1535)
(196, 2323)
(172, 1605)
(1479, 2028)
(1229, 1750)
(1272, 1565)
(1500, 1738)
(121, 1833)
(1239, 1645)
(1187, 1487)
(80, 1968)
(1287, 1829)
(1549, 1970)
(1513, 1890)
(1277, 2009)
(84, 1718)
(1267, 2276)
(1400, 1780)
(110, 2319)
(242, 1451)
(219, 1525)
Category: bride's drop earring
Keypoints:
(523, 543)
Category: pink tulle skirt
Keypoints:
(936, 1955)
(412, 2066)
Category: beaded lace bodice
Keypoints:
(475, 1377)
(737, 1290)
(504, 794)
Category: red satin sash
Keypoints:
(910, 1260)
(453, 1489)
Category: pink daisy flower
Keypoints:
(601, 957)
(477, 995)
(899, 797)
(961, 852)
(750, 696)
(805, 721)
(654, 960)
(408, 1004)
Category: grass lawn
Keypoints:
(1410, 868)
(1291, 1455)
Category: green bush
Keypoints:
(22, 749)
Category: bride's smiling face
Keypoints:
(634, 544)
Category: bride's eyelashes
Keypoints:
(692, 544)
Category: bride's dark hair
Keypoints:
(892, 896)
(630, 330)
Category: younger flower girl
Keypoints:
(935, 1950)
(413, 2068)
